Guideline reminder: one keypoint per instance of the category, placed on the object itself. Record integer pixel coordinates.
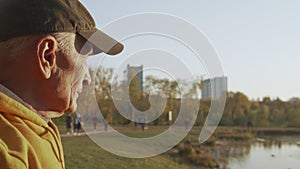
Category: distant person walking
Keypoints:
(143, 124)
(105, 124)
(77, 124)
(95, 120)
(69, 124)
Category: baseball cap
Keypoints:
(28, 17)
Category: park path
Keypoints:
(84, 133)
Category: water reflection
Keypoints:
(240, 150)
(277, 153)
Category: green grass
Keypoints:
(81, 152)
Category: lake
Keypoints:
(276, 152)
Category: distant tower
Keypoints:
(135, 76)
(220, 87)
(135, 84)
(206, 89)
(214, 88)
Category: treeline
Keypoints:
(238, 111)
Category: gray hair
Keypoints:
(65, 42)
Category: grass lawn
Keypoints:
(81, 152)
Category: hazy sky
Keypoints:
(257, 41)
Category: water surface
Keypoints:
(279, 153)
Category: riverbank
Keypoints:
(214, 153)
(81, 152)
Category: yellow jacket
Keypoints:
(26, 140)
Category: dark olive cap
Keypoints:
(29, 17)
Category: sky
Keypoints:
(257, 42)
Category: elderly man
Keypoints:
(44, 45)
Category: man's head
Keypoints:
(46, 71)
(45, 64)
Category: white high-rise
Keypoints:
(214, 88)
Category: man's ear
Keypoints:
(46, 48)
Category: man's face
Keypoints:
(81, 76)
(72, 73)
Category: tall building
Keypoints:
(206, 89)
(135, 83)
(214, 88)
(135, 75)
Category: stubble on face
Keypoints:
(80, 74)
(71, 71)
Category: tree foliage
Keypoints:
(238, 111)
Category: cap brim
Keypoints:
(102, 42)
